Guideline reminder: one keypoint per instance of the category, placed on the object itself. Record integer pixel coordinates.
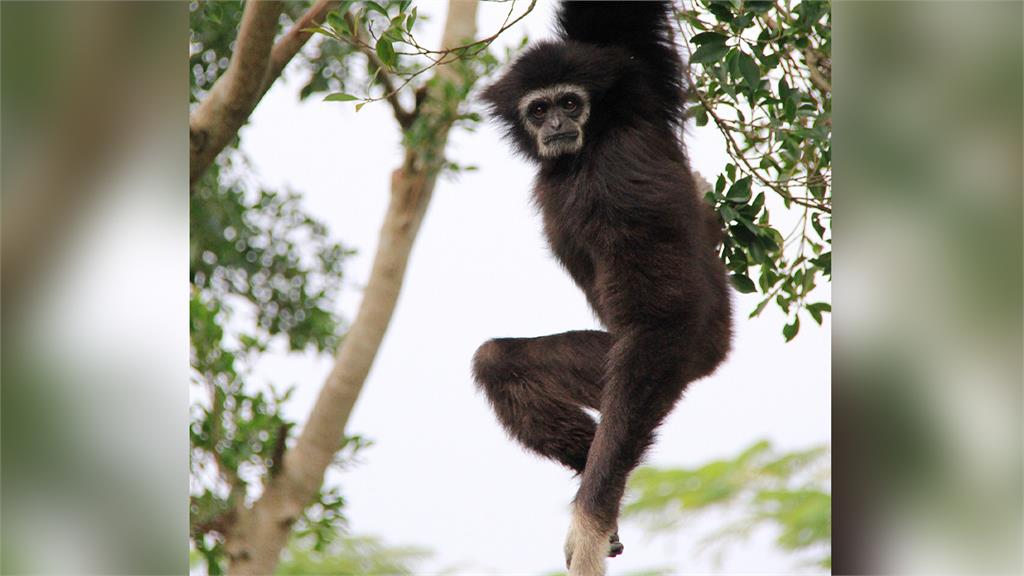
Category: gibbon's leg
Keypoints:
(537, 387)
(646, 375)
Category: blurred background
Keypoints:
(278, 235)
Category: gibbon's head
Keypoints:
(552, 99)
(555, 117)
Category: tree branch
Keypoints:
(255, 65)
(817, 77)
(217, 119)
(445, 55)
(293, 41)
(403, 116)
(255, 540)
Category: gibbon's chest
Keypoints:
(569, 212)
(573, 226)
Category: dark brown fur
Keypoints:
(625, 219)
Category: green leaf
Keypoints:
(739, 192)
(721, 11)
(701, 118)
(709, 38)
(817, 309)
(816, 314)
(321, 30)
(386, 52)
(709, 53)
(743, 22)
(336, 21)
(394, 33)
(757, 203)
(749, 225)
(760, 307)
(410, 20)
(376, 8)
(790, 330)
(759, 6)
(340, 97)
(748, 67)
(360, 106)
(757, 251)
(743, 283)
(784, 89)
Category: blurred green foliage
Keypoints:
(349, 555)
(264, 274)
(212, 31)
(346, 556)
(788, 491)
(761, 74)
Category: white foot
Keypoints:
(586, 546)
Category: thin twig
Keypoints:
(289, 45)
(456, 53)
(817, 77)
(403, 116)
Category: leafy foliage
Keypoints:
(213, 27)
(761, 74)
(261, 271)
(351, 555)
(786, 490)
(385, 33)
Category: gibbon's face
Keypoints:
(555, 117)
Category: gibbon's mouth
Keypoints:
(570, 135)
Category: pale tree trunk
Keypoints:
(257, 535)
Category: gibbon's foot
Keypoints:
(586, 547)
(616, 546)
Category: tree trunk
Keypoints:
(257, 535)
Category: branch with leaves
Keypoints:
(393, 72)
(760, 73)
(761, 486)
(254, 66)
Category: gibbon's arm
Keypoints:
(644, 28)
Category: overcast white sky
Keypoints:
(442, 474)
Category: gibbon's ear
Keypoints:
(501, 98)
(490, 96)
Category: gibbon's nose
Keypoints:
(555, 122)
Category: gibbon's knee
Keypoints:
(490, 364)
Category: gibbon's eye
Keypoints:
(569, 103)
(538, 109)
